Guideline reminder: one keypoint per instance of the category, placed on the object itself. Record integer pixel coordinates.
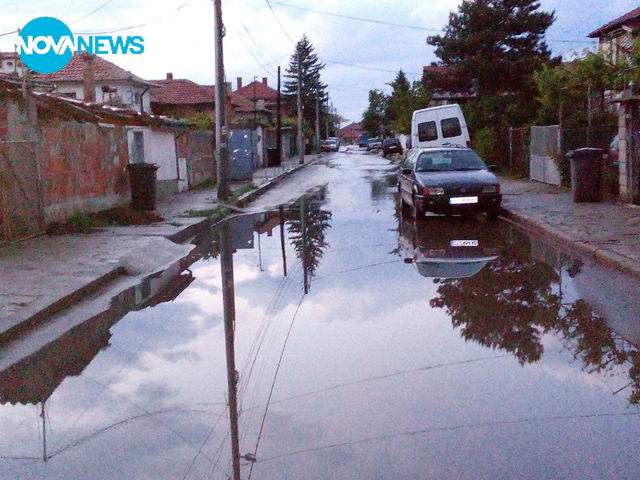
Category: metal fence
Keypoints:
(21, 211)
(516, 157)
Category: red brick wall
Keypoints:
(83, 167)
(196, 147)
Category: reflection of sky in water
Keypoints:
(367, 357)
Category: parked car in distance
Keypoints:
(391, 146)
(448, 181)
(329, 145)
(374, 144)
(363, 139)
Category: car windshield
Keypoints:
(449, 161)
(392, 141)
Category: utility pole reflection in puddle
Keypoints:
(282, 248)
(229, 309)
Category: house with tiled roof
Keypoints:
(260, 94)
(93, 79)
(615, 38)
(181, 98)
(349, 134)
(10, 64)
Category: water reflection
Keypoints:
(442, 247)
(511, 300)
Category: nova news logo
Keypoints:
(46, 44)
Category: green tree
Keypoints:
(404, 99)
(495, 44)
(374, 118)
(306, 61)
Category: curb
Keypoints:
(59, 305)
(179, 237)
(183, 235)
(600, 256)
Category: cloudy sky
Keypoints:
(178, 36)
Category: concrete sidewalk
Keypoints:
(606, 231)
(42, 276)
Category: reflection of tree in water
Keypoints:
(598, 348)
(507, 305)
(511, 304)
(307, 234)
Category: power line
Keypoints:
(273, 384)
(359, 19)
(278, 20)
(369, 68)
(451, 428)
(160, 19)
(92, 12)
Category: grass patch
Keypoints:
(120, 216)
(210, 212)
(242, 190)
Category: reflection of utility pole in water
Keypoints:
(229, 308)
(305, 247)
(284, 254)
(43, 415)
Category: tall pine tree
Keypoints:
(305, 60)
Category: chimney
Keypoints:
(227, 86)
(264, 81)
(89, 84)
(239, 83)
(169, 76)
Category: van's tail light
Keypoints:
(468, 143)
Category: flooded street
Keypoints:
(367, 346)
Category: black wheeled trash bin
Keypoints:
(272, 157)
(142, 179)
(586, 167)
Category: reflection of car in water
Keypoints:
(448, 248)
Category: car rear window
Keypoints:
(427, 132)
(391, 141)
(451, 127)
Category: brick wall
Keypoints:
(83, 168)
(196, 147)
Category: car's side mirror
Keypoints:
(493, 168)
(406, 171)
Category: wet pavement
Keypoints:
(367, 346)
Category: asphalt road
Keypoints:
(367, 345)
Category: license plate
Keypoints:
(463, 200)
(464, 243)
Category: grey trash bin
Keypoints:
(586, 168)
(142, 179)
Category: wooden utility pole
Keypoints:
(300, 137)
(229, 309)
(317, 122)
(220, 133)
(279, 124)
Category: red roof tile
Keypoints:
(258, 90)
(103, 70)
(180, 92)
(631, 17)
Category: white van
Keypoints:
(442, 126)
